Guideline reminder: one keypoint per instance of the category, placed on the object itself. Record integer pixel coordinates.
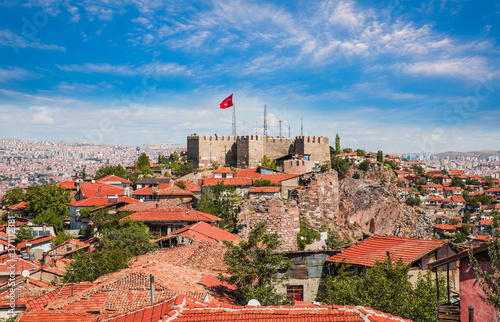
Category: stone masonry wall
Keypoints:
(317, 146)
(284, 220)
(319, 201)
(276, 148)
(221, 149)
(250, 150)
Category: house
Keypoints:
(417, 253)
(402, 173)
(493, 192)
(117, 182)
(223, 173)
(153, 182)
(94, 189)
(242, 185)
(469, 290)
(24, 289)
(10, 268)
(68, 185)
(64, 250)
(173, 193)
(457, 201)
(19, 210)
(440, 229)
(166, 221)
(485, 225)
(306, 274)
(296, 164)
(34, 248)
(434, 201)
(200, 231)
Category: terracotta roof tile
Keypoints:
(20, 206)
(112, 178)
(70, 184)
(90, 189)
(172, 214)
(375, 248)
(35, 241)
(264, 189)
(227, 181)
(202, 231)
(223, 170)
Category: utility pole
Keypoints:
(301, 127)
(288, 131)
(280, 129)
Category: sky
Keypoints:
(392, 75)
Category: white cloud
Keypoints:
(10, 39)
(461, 68)
(15, 73)
(162, 69)
(42, 114)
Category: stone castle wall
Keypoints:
(246, 151)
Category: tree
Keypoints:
(457, 182)
(264, 183)
(253, 267)
(386, 288)
(340, 165)
(364, 165)
(221, 201)
(337, 145)
(112, 253)
(444, 172)
(360, 153)
(380, 156)
(109, 169)
(24, 233)
(356, 175)
(306, 235)
(173, 157)
(61, 237)
(267, 163)
(143, 165)
(418, 170)
(489, 282)
(48, 204)
(13, 197)
(413, 200)
(180, 184)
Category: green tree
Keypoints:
(253, 267)
(306, 235)
(418, 170)
(413, 200)
(13, 197)
(340, 165)
(24, 233)
(109, 169)
(364, 165)
(356, 175)
(444, 172)
(112, 253)
(173, 157)
(180, 184)
(143, 165)
(386, 288)
(360, 153)
(457, 182)
(268, 163)
(489, 282)
(391, 164)
(48, 204)
(221, 201)
(264, 183)
(61, 237)
(337, 145)
(380, 156)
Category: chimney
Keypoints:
(152, 286)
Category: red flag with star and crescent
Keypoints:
(228, 102)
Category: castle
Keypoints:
(245, 151)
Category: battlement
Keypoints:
(249, 137)
(312, 139)
(212, 137)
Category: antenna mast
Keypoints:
(280, 129)
(234, 120)
(301, 127)
(265, 120)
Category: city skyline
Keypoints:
(394, 76)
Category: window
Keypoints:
(295, 292)
(306, 157)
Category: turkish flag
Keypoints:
(228, 102)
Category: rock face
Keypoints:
(280, 218)
(350, 207)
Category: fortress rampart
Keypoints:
(245, 151)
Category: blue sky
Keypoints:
(401, 76)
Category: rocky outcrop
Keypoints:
(280, 218)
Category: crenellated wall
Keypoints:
(245, 151)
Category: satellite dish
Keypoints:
(25, 273)
(253, 302)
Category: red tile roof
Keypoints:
(35, 241)
(112, 178)
(193, 187)
(100, 190)
(20, 206)
(445, 227)
(486, 222)
(367, 251)
(250, 173)
(493, 190)
(20, 265)
(264, 189)
(202, 231)
(181, 308)
(174, 191)
(70, 184)
(457, 199)
(227, 181)
(223, 170)
(89, 202)
(173, 214)
(277, 178)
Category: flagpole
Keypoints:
(234, 120)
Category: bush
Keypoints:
(356, 175)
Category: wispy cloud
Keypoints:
(15, 73)
(163, 69)
(10, 39)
